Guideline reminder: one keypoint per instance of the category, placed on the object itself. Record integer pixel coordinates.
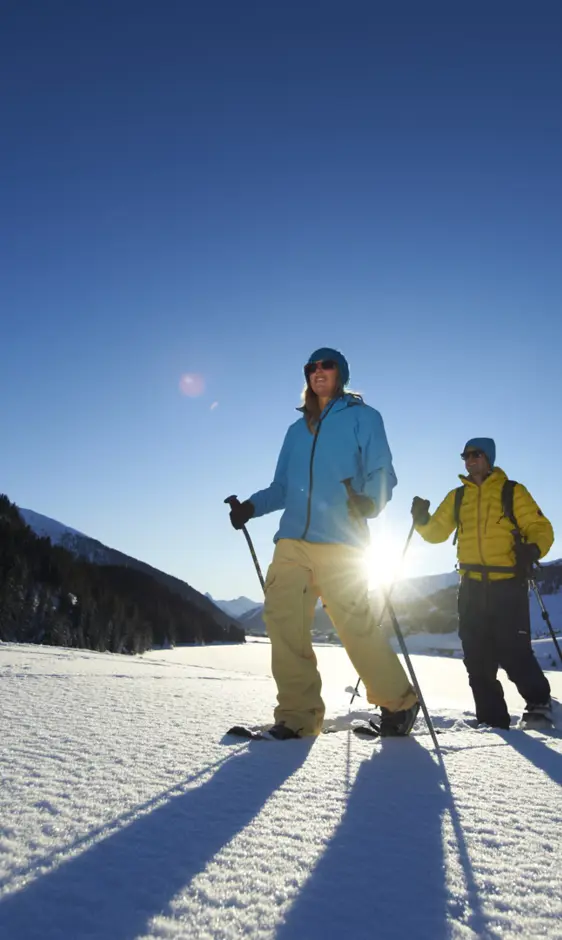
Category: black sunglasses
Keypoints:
(472, 453)
(327, 365)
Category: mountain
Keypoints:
(412, 588)
(49, 528)
(424, 604)
(410, 596)
(429, 605)
(322, 628)
(82, 546)
(238, 608)
(249, 612)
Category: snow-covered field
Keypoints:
(125, 813)
(449, 644)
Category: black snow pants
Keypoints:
(495, 631)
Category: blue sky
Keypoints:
(217, 189)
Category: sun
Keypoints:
(383, 560)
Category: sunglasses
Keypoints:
(326, 364)
(472, 453)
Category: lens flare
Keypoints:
(383, 560)
(192, 384)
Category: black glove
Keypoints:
(420, 510)
(526, 555)
(240, 513)
(361, 506)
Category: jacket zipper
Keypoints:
(311, 471)
(478, 525)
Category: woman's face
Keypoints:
(323, 377)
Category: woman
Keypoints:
(333, 473)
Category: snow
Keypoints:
(553, 604)
(449, 644)
(125, 812)
(44, 527)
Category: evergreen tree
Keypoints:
(48, 596)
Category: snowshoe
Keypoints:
(250, 734)
(278, 732)
(537, 716)
(398, 724)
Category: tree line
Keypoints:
(49, 596)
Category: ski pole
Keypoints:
(544, 613)
(232, 502)
(387, 601)
(412, 672)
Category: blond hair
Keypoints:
(311, 404)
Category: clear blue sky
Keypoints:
(217, 189)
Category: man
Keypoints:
(333, 473)
(495, 562)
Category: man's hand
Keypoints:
(526, 555)
(240, 513)
(420, 510)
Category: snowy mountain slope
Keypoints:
(408, 589)
(417, 600)
(449, 644)
(253, 623)
(444, 603)
(415, 617)
(43, 526)
(553, 604)
(127, 816)
(239, 607)
(97, 553)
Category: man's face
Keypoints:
(476, 462)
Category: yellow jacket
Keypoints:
(485, 535)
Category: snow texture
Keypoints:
(126, 813)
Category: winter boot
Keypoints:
(281, 732)
(398, 724)
(537, 714)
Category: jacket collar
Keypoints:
(496, 474)
(347, 400)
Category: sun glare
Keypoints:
(383, 560)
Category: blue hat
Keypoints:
(486, 444)
(326, 353)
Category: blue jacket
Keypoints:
(350, 443)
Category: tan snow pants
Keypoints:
(299, 574)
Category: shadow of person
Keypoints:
(538, 752)
(113, 888)
(383, 873)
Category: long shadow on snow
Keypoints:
(538, 752)
(112, 889)
(383, 873)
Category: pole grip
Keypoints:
(233, 501)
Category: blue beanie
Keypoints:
(326, 353)
(486, 444)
